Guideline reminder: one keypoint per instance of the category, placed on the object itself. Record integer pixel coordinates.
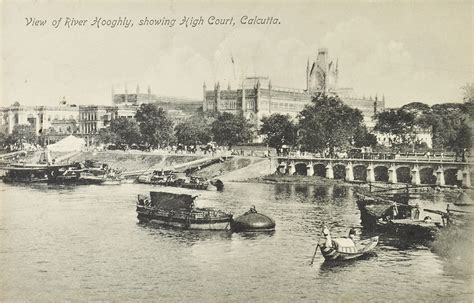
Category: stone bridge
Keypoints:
(415, 171)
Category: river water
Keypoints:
(85, 244)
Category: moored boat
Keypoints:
(31, 173)
(252, 221)
(395, 218)
(179, 210)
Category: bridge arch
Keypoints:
(300, 169)
(376, 165)
(427, 175)
(360, 172)
(451, 176)
(339, 171)
(403, 174)
(320, 169)
(381, 173)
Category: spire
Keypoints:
(138, 89)
(228, 86)
(149, 90)
(307, 74)
(204, 85)
(376, 97)
(218, 86)
(270, 84)
(383, 98)
(113, 94)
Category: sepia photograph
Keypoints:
(236, 151)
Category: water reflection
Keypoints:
(190, 237)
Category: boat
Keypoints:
(26, 175)
(76, 175)
(179, 210)
(341, 249)
(30, 173)
(158, 177)
(218, 184)
(392, 217)
(252, 221)
(190, 182)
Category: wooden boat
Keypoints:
(171, 178)
(178, 210)
(83, 176)
(191, 182)
(31, 173)
(158, 177)
(26, 175)
(395, 218)
(341, 249)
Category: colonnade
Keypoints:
(463, 171)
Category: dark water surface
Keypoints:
(85, 244)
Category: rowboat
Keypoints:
(341, 249)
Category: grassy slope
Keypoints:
(134, 161)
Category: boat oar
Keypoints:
(314, 255)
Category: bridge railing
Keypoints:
(381, 157)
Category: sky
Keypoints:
(407, 51)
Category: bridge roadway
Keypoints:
(405, 170)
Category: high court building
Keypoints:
(257, 97)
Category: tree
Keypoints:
(327, 124)
(195, 129)
(3, 138)
(156, 127)
(22, 133)
(450, 122)
(363, 138)
(468, 92)
(125, 130)
(106, 136)
(229, 129)
(399, 123)
(278, 129)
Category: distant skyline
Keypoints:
(406, 51)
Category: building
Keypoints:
(40, 118)
(166, 102)
(179, 108)
(257, 97)
(53, 123)
(136, 98)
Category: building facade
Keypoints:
(53, 123)
(257, 98)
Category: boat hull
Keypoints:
(203, 186)
(364, 247)
(184, 221)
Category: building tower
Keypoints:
(113, 95)
(204, 101)
(307, 75)
(126, 94)
(149, 93)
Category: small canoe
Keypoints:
(342, 249)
